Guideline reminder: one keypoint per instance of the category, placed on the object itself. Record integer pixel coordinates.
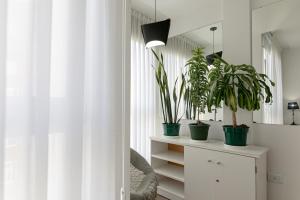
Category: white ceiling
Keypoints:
(281, 18)
(288, 33)
(204, 37)
(189, 14)
(176, 8)
(186, 15)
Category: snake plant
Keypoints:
(238, 86)
(169, 104)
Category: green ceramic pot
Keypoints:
(236, 136)
(171, 129)
(199, 131)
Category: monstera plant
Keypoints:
(197, 92)
(237, 86)
(169, 104)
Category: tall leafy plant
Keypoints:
(169, 104)
(238, 86)
(197, 90)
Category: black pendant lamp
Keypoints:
(211, 57)
(156, 34)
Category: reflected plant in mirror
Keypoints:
(196, 93)
(210, 40)
(197, 85)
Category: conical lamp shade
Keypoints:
(156, 34)
(211, 57)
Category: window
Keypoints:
(144, 97)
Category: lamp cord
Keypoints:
(213, 42)
(155, 10)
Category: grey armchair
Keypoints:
(148, 188)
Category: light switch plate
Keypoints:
(275, 178)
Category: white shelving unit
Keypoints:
(234, 173)
(171, 156)
(169, 165)
(171, 189)
(171, 171)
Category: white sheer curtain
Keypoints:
(61, 96)
(144, 101)
(176, 53)
(272, 66)
(143, 88)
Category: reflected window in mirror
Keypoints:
(276, 52)
(272, 67)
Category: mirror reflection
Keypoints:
(276, 52)
(210, 38)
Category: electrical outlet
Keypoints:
(275, 178)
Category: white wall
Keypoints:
(261, 3)
(283, 158)
(291, 82)
(126, 98)
(283, 141)
(236, 31)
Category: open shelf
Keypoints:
(171, 189)
(171, 156)
(171, 171)
(167, 160)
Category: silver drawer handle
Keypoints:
(219, 163)
(210, 161)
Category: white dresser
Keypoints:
(194, 170)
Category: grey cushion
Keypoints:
(136, 178)
(147, 189)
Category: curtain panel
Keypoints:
(272, 67)
(143, 88)
(61, 96)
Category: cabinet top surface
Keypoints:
(216, 145)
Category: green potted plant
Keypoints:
(197, 92)
(237, 86)
(169, 105)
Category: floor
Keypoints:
(160, 198)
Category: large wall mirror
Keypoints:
(211, 41)
(276, 52)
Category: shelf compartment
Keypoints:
(171, 189)
(171, 171)
(171, 156)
